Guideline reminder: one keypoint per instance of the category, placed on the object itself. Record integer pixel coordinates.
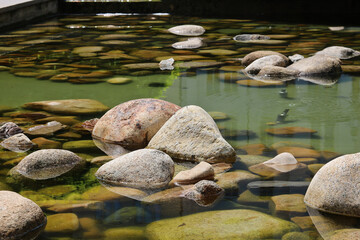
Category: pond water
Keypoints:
(49, 61)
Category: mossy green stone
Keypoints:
(128, 233)
(57, 191)
(295, 236)
(240, 224)
(80, 146)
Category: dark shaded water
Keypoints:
(30, 57)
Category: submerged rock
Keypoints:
(128, 216)
(132, 124)
(69, 106)
(226, 224)
(205, 193)
(249, 37)
(283, 165)
(339, 52)
(20, 218)
(317, 65)
(334, 188)
(45, 130)
(144, 169)
(62, 223)
(187, 30)
(17, 143)
(191, 43)
(48, 163)
(9, 129)
(291, 131)
(288, 205)
(192, 135)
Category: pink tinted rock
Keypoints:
(132, 124)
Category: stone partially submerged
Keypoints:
(249, 58)
(317, 65)
(191, 43)
(20, 218)
(17, 143)
(226, 224)
(192, 135)
(48, 163)
(9, 129)
(132, 124)
(271, 60)
(339, 52)
(142, 169)
(187, 30)
(335, 187)
(69, 106)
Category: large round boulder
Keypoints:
(317, 65)
(143, 169)
(48, 163)
(20, 218)
(132, 124)
(339, 52)
(271, 60)
(335, 187)
(192, 135)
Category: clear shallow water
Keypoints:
(333, 111)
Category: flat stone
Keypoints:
(254, 149)
(350, 68)
(277, 187)
(290, 144)
(144, 169)
(100, 193)
(81, 146)
(181, 57)
(48, 163)
(296, 235)
(248, 198)
(250, 160)
(218, 52)
(119, 80)
(87, 49)
(304, 222)
(149, 54)
(290, 131)
(17, 143)
(299, 152)
(115, 36)
(191, 43)
(288, 205)
(256, 83)
(230, 68)
(101, 160)
(334, 184)
(308, 160)
(45, 130)
(90, 228)
(202, 171)
(249, 37)
(128, 216)
(67, 120)
(228, 224)
(329, 155)
(134, 123)
(131, 232)
(62, 223)
(219, 116)
(234, 182)
(198, 64)
(267, 42)
(117, 42)
(192, 135)
(63, 206)
(187, 30)
(69, 106)
(350, 234)
(283, 165)
(136, 66)
(20, 218)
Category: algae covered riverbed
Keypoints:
(115, 58)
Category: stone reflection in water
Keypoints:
(328, 80)
(329, 225)
(110, 149)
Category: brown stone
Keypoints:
(132, 124)
(257, 83)
(234, 182)
(254, 149)
(290, 131)
(64, 223)
(248, 59)
(202, 171)
(299, 152)
(304, 222)
(288, 205)
(43, 143)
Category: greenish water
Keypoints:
(332, 110)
